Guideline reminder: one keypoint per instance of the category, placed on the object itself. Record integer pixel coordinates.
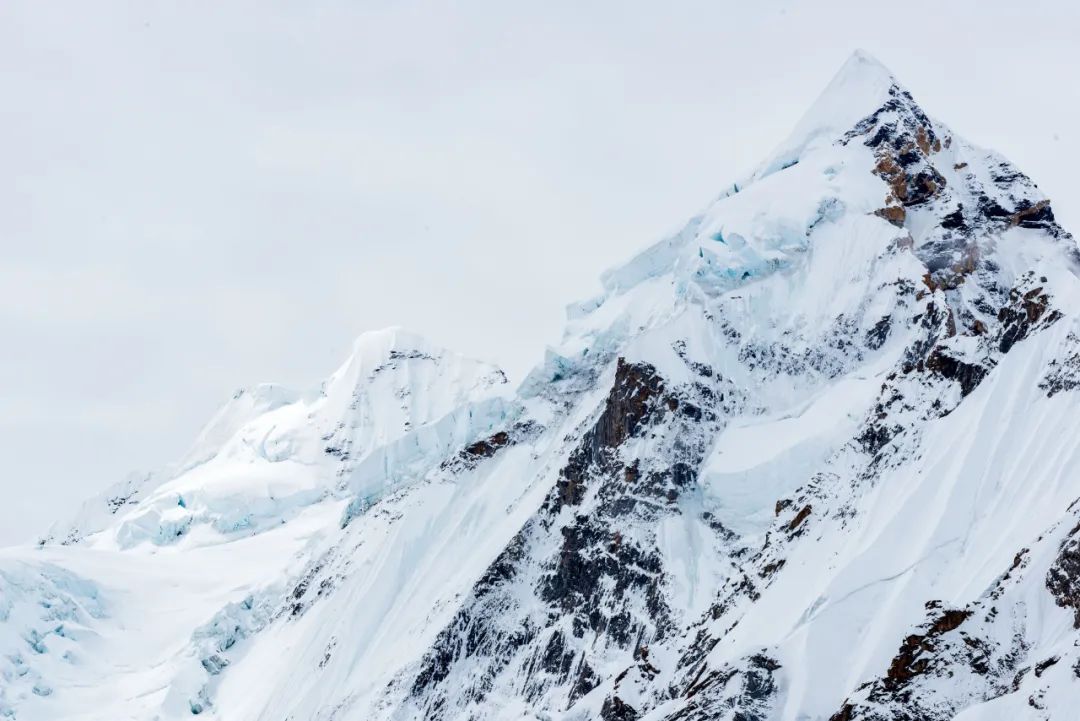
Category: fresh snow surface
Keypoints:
(814, 456)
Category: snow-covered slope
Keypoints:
(814, 456)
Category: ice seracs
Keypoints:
(271, 451)
(811, 457)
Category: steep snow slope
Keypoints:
(811, 457)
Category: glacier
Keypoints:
(812, 457)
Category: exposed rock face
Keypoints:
(911, 660)
(599, 596)
(1063, 374)
(1063, 578)
(1023, 312)
(968, 375)
(745, 692)
(631, 403)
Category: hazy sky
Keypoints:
(198, 196)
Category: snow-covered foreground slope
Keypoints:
(812, 457)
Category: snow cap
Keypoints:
(861, 86)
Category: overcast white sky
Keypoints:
(198, 196)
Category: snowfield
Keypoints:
(816, 456)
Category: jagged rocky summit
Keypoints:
(816, 456)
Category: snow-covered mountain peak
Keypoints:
(375, 348)
(860, 87)
(866, 190)
(395, 380)
(269, 452)
(811, 457)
